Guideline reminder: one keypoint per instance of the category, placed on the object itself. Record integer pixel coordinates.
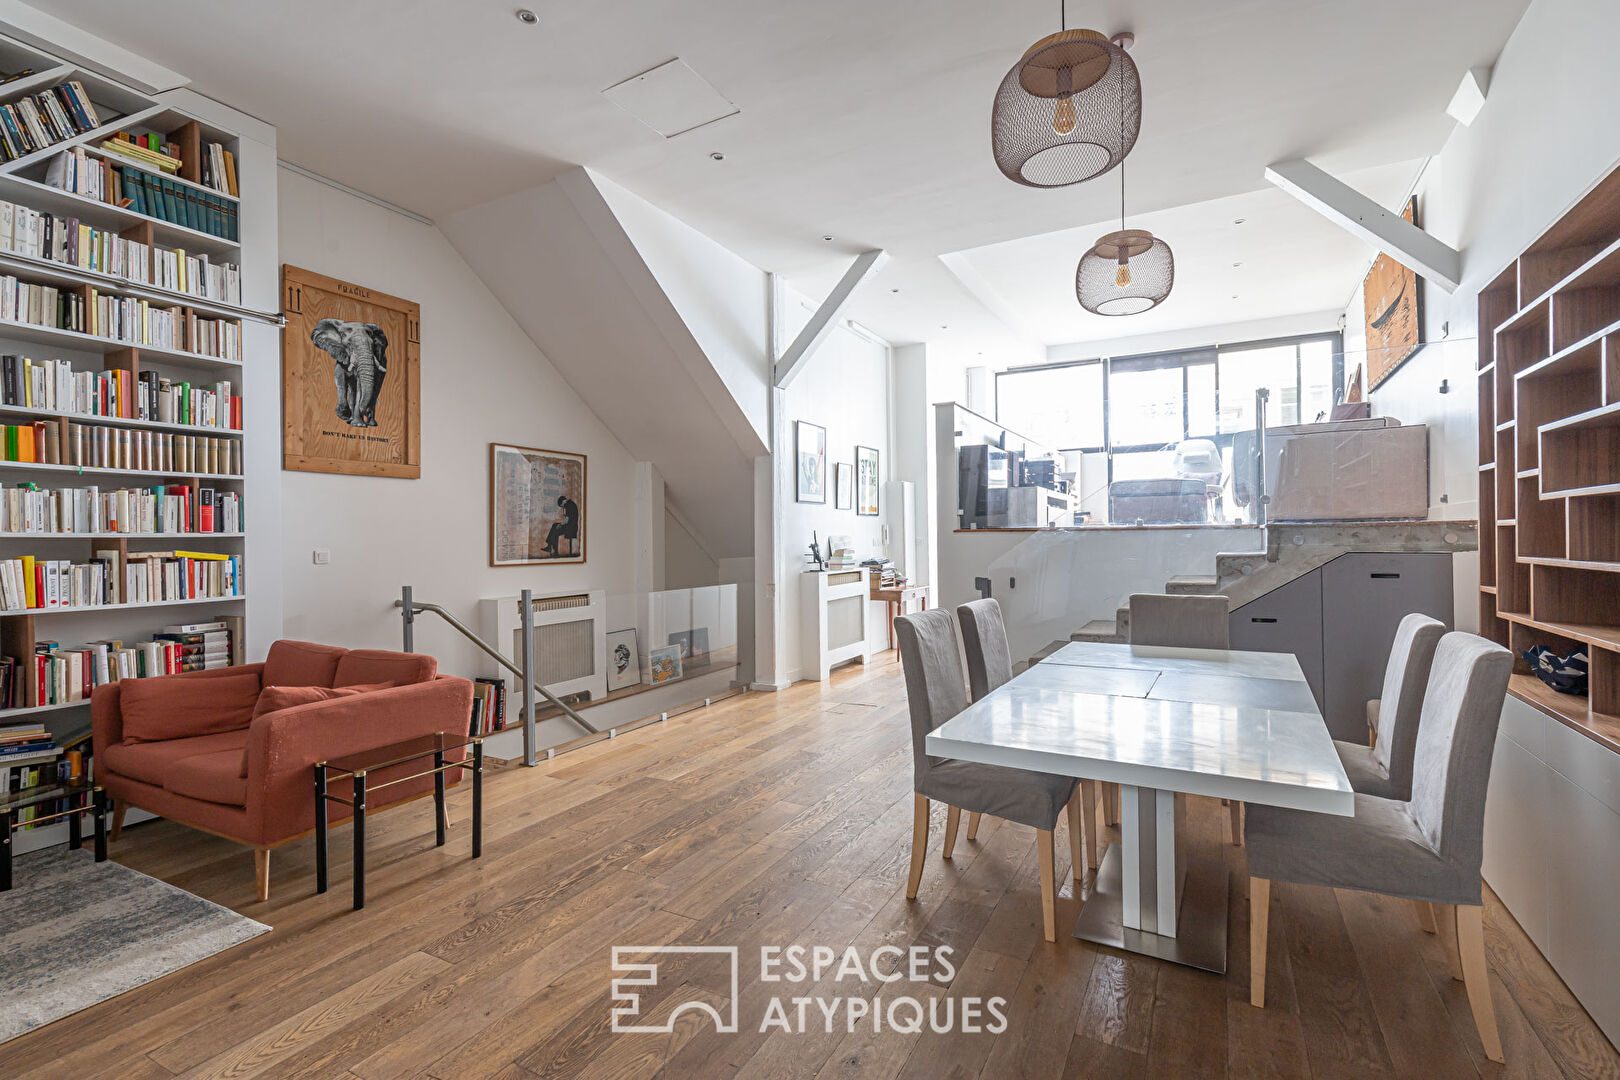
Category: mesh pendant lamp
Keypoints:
(1069, 110)
(1126, 272)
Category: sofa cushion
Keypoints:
(380, 665)
(152, 762)
(301, 663)
(168, 708)
(276, 698)
(209, 777)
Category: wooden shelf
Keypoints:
(1573, 564)
(1597, 637)
(1488, 589)
(1572, 711)
(1583, 453)
(89, 608)
(122, 421)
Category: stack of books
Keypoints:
(198, 646)
(22, 744)
(33, 123)
(150, 149)
(94, 446)
(883, 573)
(840, 553)
(68, 240)
(54, 386)
(28, 583)
(489, 706)
(29, 508)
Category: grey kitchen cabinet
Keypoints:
(1365, 595)
(1286, 619)
(1339, 620)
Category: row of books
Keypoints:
(22, 742)
(489, 706)
(39, 235)
(219, 169)
(30, 584)
(54, 386)
(174, 202)
(96, 446)
(65, 674)
(119, 318)
(28, 508)
(44, 119)
(73, 242)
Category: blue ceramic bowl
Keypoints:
(1565, 674)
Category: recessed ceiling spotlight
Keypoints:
(1239, 221)
(716, 155)
(1236, 265)
(1234, 296)
(942, 326)
(827, 236)
(894, 290)
(526, 17)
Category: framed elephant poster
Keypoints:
(537, 506)
(350, 378)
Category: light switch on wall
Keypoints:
(322, 556)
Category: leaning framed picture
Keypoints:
(843, 483)
(624, 661)
(866, 481)
(810, 458)
(350, 378)
(536, 506)
(664, 665)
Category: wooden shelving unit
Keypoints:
(22, 181)
(1549, 445)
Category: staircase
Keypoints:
(1291, 550)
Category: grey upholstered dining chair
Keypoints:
(1426, 849)
(1385, 768)
(989, 665)
(935, 692)
(1181, 622)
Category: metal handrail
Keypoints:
(528, 685)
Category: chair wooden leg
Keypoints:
(1445, 916)
(1425, 914)
(1110, 804)
(1043, 841)
(953, 818)
(1235, 808)
(1077, 847)
(919, 844)
(1259, 925)
(1088, 816)
(973, 825)
(119, 807)
(261, 872)
(1471, 944)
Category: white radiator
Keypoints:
(570, 639)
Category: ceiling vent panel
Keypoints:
(671, 98)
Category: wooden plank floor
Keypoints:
(770, 819)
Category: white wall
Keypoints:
(1315, 322)
(844, 388)
(686, 564)
(1546, 134)
(483, 379)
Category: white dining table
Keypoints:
(1160, 722)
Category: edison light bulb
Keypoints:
(1123, 277)
(1063, 117)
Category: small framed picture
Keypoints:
(694, 645)
(624, 661)
(810, 456)
(665, 664)
(843, 486)
(866, 481)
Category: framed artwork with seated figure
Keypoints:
(537, 506)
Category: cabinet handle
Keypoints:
(1385, 575)
(1257, 619)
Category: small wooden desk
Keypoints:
(898, 599)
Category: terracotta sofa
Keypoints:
(201, 757)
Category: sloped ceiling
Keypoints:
(561, 263)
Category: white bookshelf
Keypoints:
(22, 182)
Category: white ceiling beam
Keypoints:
(1355, 213)
(866, 264)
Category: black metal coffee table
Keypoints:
(359, 765)
(82, 796)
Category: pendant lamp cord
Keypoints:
(1063, 15)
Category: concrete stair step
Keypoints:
(1047, 650)
(1098, 630)
(1191, 584)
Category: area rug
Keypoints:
(74, 932)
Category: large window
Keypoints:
(1137, 404)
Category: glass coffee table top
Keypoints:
(32, 796)
(398, 753)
